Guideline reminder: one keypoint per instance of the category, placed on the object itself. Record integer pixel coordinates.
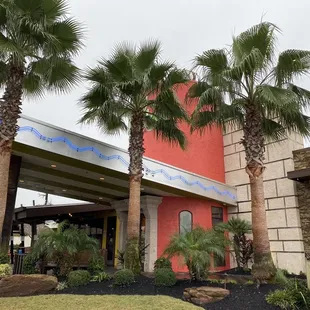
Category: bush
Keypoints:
(280, 278)
(295, 296)
(282, 299)
(165, 277)
(101, 276)
(96, 265)
(4, 258)
(61, 286)
(162, 262)
(124, 277)
(78, 278)
(5, 270)
(29, 264)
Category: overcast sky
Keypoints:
(185, 28)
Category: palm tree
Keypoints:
(37, 42)
(197, 248)
(242, 246)
(134, 86)
(63, 246)
(247, 86)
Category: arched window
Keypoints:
(185, 221)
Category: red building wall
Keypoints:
(168, 222)
(204, 154)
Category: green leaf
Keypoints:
(147, 55)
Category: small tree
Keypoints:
(197, 247)
(63, 246)
(242, 246)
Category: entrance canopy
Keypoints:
(63, 163)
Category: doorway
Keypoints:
(110, 245)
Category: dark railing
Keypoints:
(18, 263)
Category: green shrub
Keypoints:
(165, 277)
(96, 265)
(295, 296)
(250, 282)
(4, 258)
(5, 270)
(162, 262)
(282, 299)
(101, 276)
(78, 278)
(132, 256)
(124, 277)
(280, 277)
(29, 264)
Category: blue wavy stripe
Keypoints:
(124, 162)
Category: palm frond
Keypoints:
(147, 54)
(291, 64)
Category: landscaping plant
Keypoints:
(101, 276)
(242, 246)
(29, 264)
(295, 295)
(4, 258)
(124, 277)
(196, 248)
(247, 87)
(5, 270)
(165, 277)
(131, 91)
(38, 42)
(162, 262)
(78, 278)
(63, 246)
(96, 264)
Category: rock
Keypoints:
(26, 285)
(204, 295)
(213, 291)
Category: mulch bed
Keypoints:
(242, 297)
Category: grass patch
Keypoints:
(84, 302)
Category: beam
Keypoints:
(299, 175)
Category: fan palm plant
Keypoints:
(134, 87)
(197, 247)
(246, 86)
(37, 42)
(63, 246)
(242, 246)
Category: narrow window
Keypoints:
(186, 222)
(217, 217)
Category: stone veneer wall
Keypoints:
(280, 196)
(302, 161)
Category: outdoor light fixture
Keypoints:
(21, 181)
(101, 179)
(64, 190)
(53, 166)
(100, 198)
(142, 188)
(70, 214)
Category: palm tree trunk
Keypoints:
(9, 113)
(263, 267)
(136, 151)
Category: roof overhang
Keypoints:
(301, 175)
(64, 163)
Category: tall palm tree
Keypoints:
(37, 42)
(133, 86)
(247, 86)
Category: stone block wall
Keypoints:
(280, 195)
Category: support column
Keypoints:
(149, 205)
(15, 164)
(33, 233)
(121, 208)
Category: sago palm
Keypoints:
(197, 247)
(135, 87)
(37, 42)
(248, 86)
